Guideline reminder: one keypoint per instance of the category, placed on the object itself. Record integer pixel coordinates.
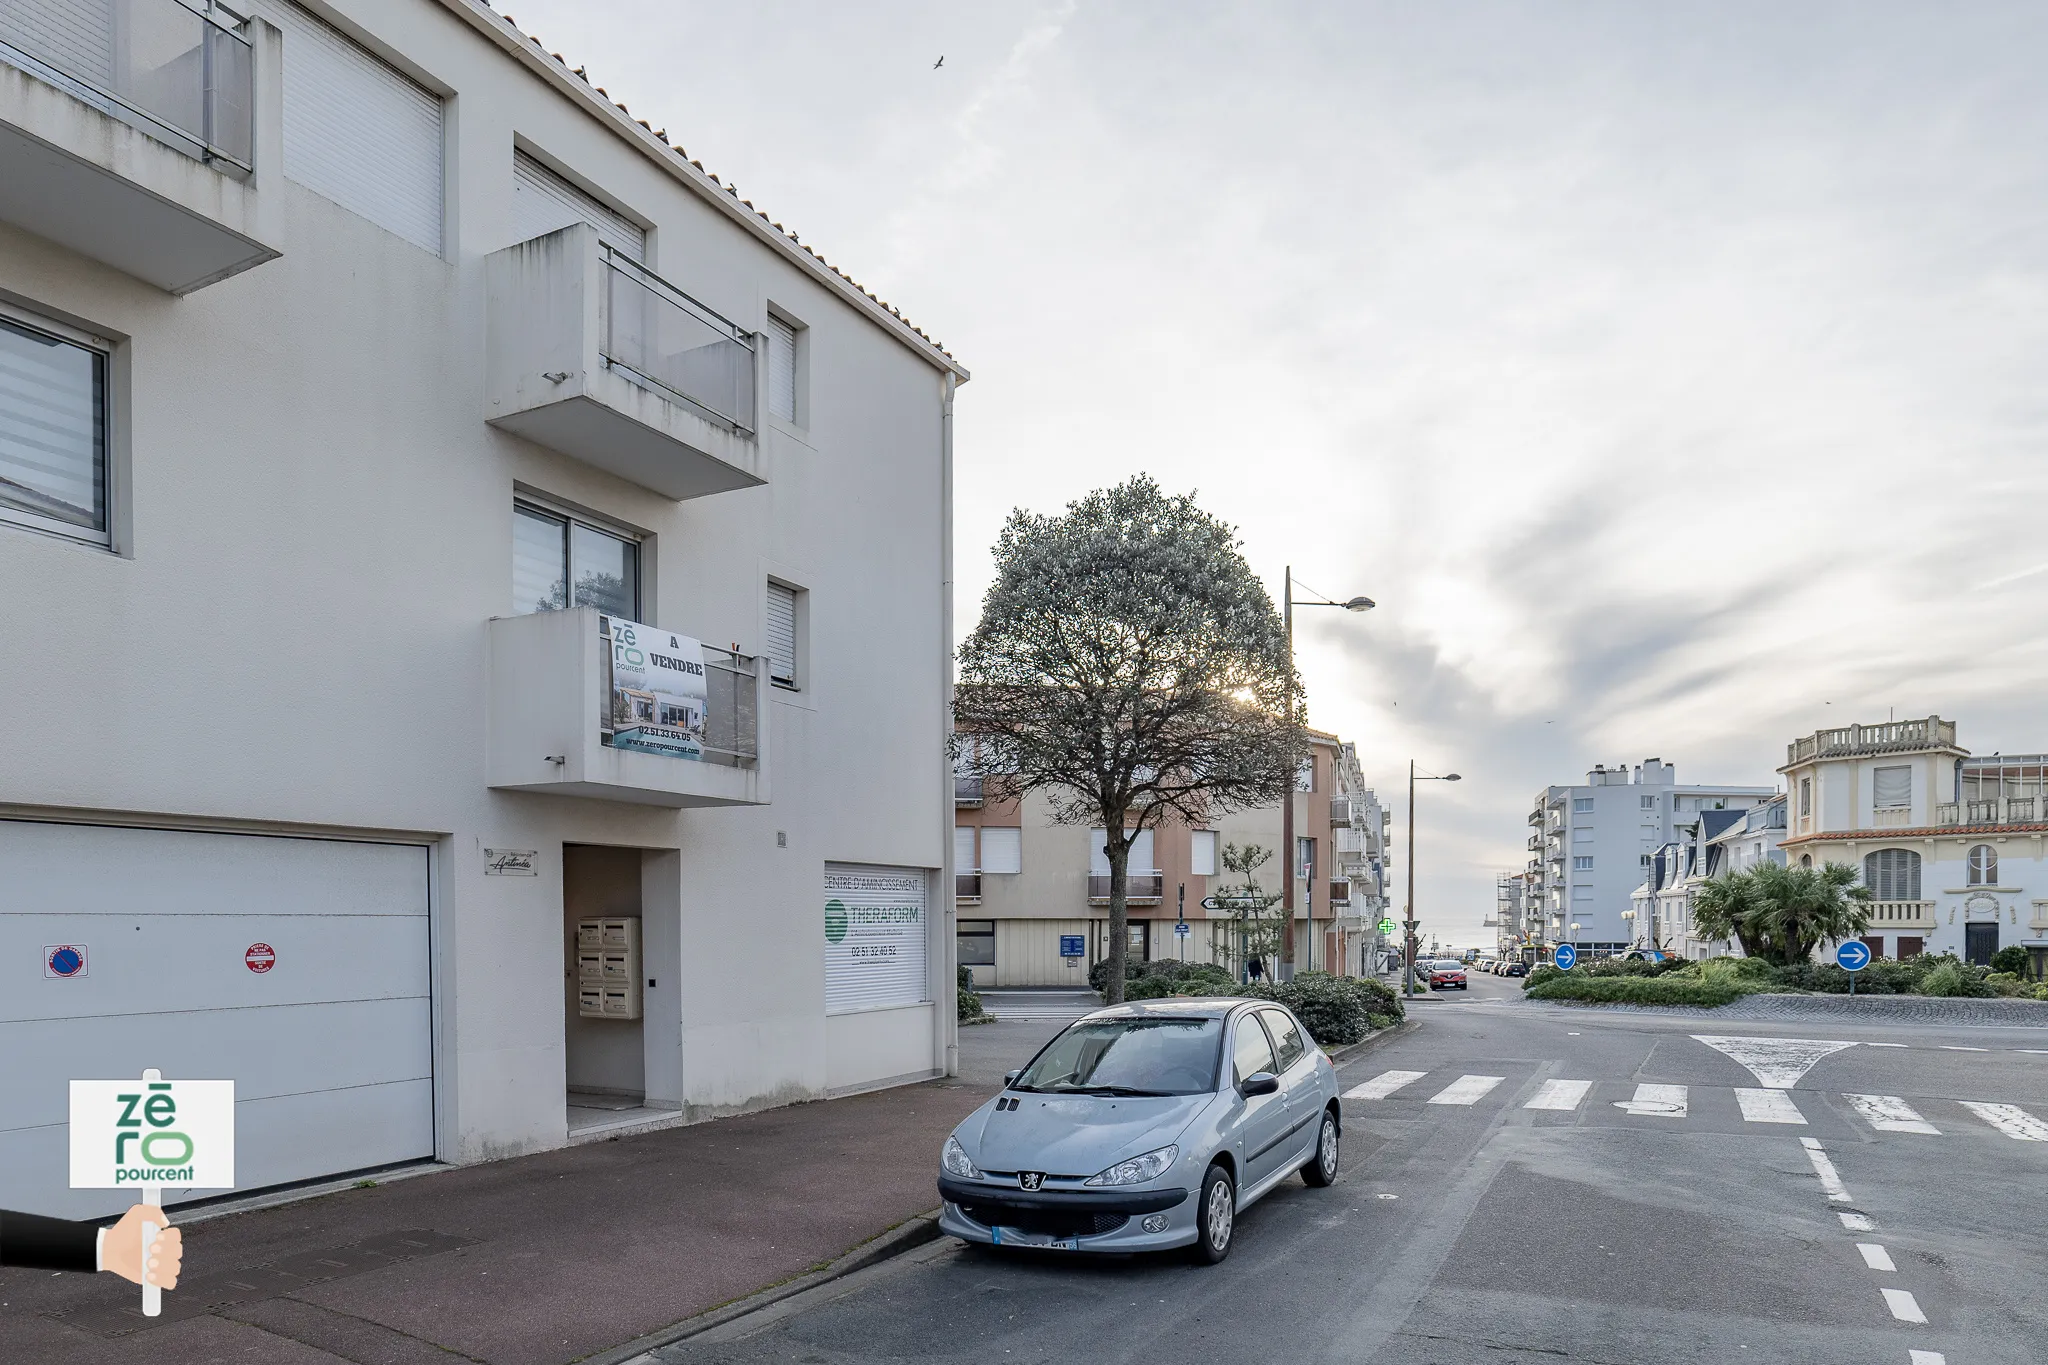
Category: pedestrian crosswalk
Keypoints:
(1758, 1105)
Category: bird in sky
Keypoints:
(940, 62)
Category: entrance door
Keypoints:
(297, 968)
(1980, 941)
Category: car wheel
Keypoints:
(1215, 1215)
(1322, 1167)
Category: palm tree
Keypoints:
(1781, 914)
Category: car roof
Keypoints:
(1178, 1007)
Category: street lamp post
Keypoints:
(1408, 971)
(1287, 862)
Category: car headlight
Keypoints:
(1137, 1170)
(956, 1161)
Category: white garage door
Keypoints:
(330, 1048)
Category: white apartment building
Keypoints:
(1591, 845)
(1358, 836)
(1951, 846)
(474, 665)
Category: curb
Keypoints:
(906, 1236)
(1364, 1045)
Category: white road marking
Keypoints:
(1466, 1089)
(2010, 1120)
(1902, 1305)
(1657, 1101)
(1383, 1085)
(1566, 1095)
(1928, 1358)
(2031, 1051)
(1877, 1258)
(1951, 1047)
(1887, 1045)
(1768, 1106)
(1830, 1179)
(1775, 1062)
(1890, 1114)
(1856, 1222)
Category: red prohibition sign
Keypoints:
(260, 958)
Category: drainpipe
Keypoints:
(951, 1031)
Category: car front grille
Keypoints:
(1047, 1222)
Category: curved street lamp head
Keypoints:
(1359, 604)
(1452, 777)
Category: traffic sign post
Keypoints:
(1852, 956)
(1567, 956)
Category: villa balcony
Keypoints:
(128, 134)
(2016, 810)
(1893, 737)
(1901, 915)
(593, 355)
(561, 720)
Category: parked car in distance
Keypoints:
(1448, 976)
(1145, 1126)
(1515, 969)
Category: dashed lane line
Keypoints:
(1768, 1106)
(1929, 1358)
(1877, 1258)
(1466, 1089)
(1383, 1085)
(1890, 1114)
(2010, 1120)
(1564, 1095)
(1903, 1306)
(1830, 1178)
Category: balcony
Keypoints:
(593, 355)
(1893, 737)
(1340, 892)
(561, 722)
(1901, 914)
(1341, 808)
(2015, 810)
(1536, 843)
(127, 134)
(1140, 888)
(967, 791)
(967, 887)
(1892, 817)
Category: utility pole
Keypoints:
(1408, 969)
(1287, 805)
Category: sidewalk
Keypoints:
(539, 1260)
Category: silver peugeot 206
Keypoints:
(1142, 1127)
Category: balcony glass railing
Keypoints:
(666, 341)
(1138, 886)
(725, 733)
(967, 886)
(967, 791)
(180, 71)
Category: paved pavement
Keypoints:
(1624, 1192)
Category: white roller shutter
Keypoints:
(1002, 849)
(874, 937)
(359, 133)
(1139, 861)
(782, 635)
(1892, 788)
(543, 202)
(963, 849)
(781, 368)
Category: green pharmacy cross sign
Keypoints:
(1386, 926)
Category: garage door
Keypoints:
(330, 1046)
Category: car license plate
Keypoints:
(1016, 1237)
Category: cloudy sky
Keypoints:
(1672, 375)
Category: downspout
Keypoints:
(950, 1030)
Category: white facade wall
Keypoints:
(312, 529)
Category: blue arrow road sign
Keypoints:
(1853, 955)
(1567, 956)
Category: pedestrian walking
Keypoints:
(1256, 968)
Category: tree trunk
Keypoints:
(1119, 853)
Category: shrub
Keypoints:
(1335, 1009)
(1667, 989)
(1181, 978)
(2010, 960)
(1949, 975)
(966, 999)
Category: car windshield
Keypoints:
(1128, 1057)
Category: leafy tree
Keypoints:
(1261, 918)
(1781, 914)
(1128, 665)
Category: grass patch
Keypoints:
(1642, 990)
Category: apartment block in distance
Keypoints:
(447, 537)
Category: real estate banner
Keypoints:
(658, 691)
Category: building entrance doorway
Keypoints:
(1980, 941)
(620, 963)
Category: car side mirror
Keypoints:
(1259, 1083)
(1010, 1077)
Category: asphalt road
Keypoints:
(1685, 1222)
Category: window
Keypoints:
(1983, 865)
(1645, 860)
(1891, 788)
(1140, 859)
(1136, 935)
(1253, 1052)
(1581, 894)
(976, 942)
(963, 849)
(1305, 858)
(1583, 863)
(1203, 856)
(357, 132)
(543, 202)
(1582, 835)
(782, 636)
(1582, 803)
(1002, 849)
(1286, 1037)
(1806, 796)
(1649, 803)
(53, 432)
(554, 556)
(1893, 874)
(782, 376)
(1305, 776)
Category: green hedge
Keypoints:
(966, 999)
(1720, 980)
(1666, 989)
